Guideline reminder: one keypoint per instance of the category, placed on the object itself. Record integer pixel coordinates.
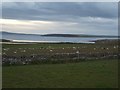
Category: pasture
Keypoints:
(43, 48)
(89, 74)
(37, 53)
(63, 65)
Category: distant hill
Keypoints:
(5, 40)
(61, 35)
(76, 35)
(11, 33)
(54, 35)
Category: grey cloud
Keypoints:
(64, 12)
(58, 11)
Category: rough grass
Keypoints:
(89, 74)
(58, 48)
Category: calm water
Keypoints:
(51, 39)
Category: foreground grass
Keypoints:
(89, 74)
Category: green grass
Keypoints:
(89, 74)
(57, 48)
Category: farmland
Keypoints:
(60, 65)
(62, 52)
(90, 74)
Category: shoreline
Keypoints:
(35, 42)
(10, 41)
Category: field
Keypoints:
(44, 48)
(63, 65)
(37, 53)
(89, 74)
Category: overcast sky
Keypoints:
(98, 18)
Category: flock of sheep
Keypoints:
(52, 57)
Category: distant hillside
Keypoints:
(11, 33)
(55, 35)
(5, 40)
(61, 35)
(76, 35)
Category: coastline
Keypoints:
(10, 41)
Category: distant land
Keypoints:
(12, 33)
(59, 35)
(76, 35)
(5, 40)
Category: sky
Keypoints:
(94, 18)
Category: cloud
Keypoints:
(62, 17)
(51, 11)
(85, 25)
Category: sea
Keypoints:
(38, 38)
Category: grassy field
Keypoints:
(37, 53)
(89, 74)
(43, 48)
(42, 73)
